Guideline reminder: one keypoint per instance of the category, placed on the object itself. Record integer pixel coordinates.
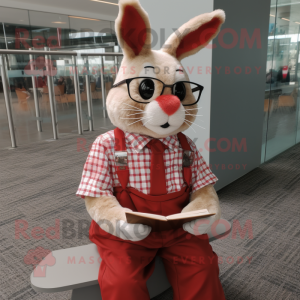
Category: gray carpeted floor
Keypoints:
(38, 184)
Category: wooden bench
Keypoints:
(77, 269)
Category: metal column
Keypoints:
(103, 87)
(77, 96)
(51, 94)
(8, 102)
(117, 65)
(35, 96)
(89, 97)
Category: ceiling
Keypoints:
(289, 9)
(288, 13)
(283, 2)
(82, 8)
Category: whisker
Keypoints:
(194, 115)
(190, 126)
(188, 121)
(130, 118)
(195, 124)
(131, 109)
(145, 117)
(140, 119)
(135, 122)
(133, 106)
(134, 114)
(193, 108)
(138, 114)
(147, 122)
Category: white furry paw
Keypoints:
(199, 226)
(132, 232)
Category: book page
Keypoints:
(160, 223)
(150, 216)
(195, 213)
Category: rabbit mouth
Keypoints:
(166, 125)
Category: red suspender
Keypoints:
(120, 144)
(183, 141)
(121, 157)
(187, 172)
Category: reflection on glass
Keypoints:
(22, 100)
(64, 91)
(298, 126)
(4, 129)
(281, 96)
(90, 33)
(21, 75)
(23, 29)
(93, 69)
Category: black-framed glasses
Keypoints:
(145, 89)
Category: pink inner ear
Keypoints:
(133, 29)
(198, 37)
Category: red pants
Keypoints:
(191, 266)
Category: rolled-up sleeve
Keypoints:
(96, 177)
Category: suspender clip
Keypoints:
(188, 158)
(121, 159)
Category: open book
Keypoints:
(161, 223)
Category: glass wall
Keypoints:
(281, 103)
(4, 129)
(22, 30)
(90, 69)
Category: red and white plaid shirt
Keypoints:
(99, 173)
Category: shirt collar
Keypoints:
(138, 141)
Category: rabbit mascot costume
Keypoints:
(139, 166)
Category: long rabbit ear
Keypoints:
(194, 35)
(133, 28)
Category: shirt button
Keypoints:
(175, 168)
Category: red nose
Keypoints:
(168, 103)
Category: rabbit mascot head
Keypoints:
(152, 94)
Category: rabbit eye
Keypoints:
(146, 89)
(179, 90)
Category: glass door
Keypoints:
(65, 96)
(29, 100)
(5, 141)
(100, 79)
(87, 87)
(298, 95)
(282, 82)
